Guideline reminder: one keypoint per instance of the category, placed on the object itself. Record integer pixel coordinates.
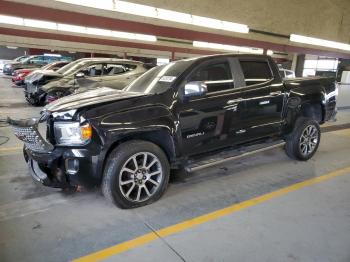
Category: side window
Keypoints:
(217, 77)
(113, 69)
(93, 70)
(256, 72)
(37, 60)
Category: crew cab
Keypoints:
(128, 141)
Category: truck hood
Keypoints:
(93, 97)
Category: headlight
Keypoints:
(8, 66)
(72, 133)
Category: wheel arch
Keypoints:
(159, 137)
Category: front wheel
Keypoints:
(303, 142)
(136, 174)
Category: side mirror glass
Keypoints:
(196, 88)
(79, 75)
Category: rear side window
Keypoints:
(217, 76)
(256, 72)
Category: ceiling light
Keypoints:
(11, 47)
(159, 13)
(11, 20)
(174, 16)
(74, 28)
(40, 24)
(239, 49)
(319, 42)
(135, 9)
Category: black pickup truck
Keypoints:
(128, 141)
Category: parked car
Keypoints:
(2, 64)
(19, 75)
(285, 73)
(87, 73)
(35, 61)
(127, 141)
(6, 63)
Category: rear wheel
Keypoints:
(136, 174)
(303, 142)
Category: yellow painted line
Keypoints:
(7, 149)
(113, 250)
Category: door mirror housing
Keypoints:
(79, 75)
(195, 88)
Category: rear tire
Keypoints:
(303, 142)
(136, 174)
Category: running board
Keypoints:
(233, 154)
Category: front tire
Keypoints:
(303, 142)
(136, 174)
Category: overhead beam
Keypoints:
(99, 41)
(75, 18)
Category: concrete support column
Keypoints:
(299, 65)
(172, 56)
(294, 62)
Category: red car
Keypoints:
(19, 75)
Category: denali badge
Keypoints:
(195, 135)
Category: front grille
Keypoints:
(28, 131)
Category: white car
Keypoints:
(2, 63)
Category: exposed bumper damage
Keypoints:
(54, 166)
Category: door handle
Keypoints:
(235, 101)
(277, 93)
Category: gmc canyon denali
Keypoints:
(128, 141)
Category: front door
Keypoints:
(205, 120)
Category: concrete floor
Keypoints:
(310, 224)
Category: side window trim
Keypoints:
(213, 62)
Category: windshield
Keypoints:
(20, 59)
(158, 79)
(26, 60)
(71, 67)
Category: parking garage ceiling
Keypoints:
(155, 33)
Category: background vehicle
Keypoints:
(175, 114)
(87, 73)
(35, 61)
(19, 75)
(6, 64)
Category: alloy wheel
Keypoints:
(140, 177)
(308, 140)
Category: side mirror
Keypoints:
(195, 88)
(79, 75)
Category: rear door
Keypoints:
(262, 94)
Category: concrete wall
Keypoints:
(328, 19)
(9, 54)
(344, 96)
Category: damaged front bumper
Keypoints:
(58, 167)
